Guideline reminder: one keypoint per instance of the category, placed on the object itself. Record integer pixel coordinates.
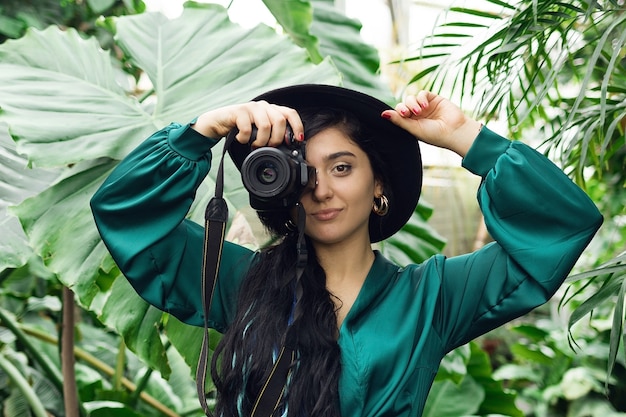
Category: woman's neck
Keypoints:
(345, 262)
(346, 267)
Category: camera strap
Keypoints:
(216, 217)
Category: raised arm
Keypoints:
(540, 220)
(140, 213)
(141, 210)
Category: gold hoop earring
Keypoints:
(381, 205)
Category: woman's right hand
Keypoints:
(270, 120)
(435, 120)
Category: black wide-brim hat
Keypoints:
(397, 147)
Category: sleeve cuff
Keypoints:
(189, 143)
(485, 151)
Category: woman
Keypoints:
(369, 334)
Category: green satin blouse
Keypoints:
(405, 318)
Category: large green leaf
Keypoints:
(497, 400)
(467, 370)
(201, 60)
(552, 67)
(340, 38)
(611, 293)
(447, 399)
(69, 86)
(324, 31)
(453, 366)
(61, 230)
(138, 322)
(187, 340)
(295, 17)
(17, 182)
(198, 61)
(416, 241)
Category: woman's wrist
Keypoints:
(206, 126)
(464, 137)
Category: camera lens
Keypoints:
(266, 173)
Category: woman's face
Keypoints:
(339, 205)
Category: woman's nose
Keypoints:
(321, 187)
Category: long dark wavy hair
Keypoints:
(245, 355)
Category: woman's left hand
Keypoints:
(435, 120)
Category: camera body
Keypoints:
(276, 177)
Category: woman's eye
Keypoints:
(342, 168)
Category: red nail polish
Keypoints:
(386, 116)
(301, 137)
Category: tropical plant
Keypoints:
(466, 386)
(551, 379)
(556, 70)
(16, 16)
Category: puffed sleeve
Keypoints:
(541, 223)
(140, 211)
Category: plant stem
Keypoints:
(143, 382)
(70, 392)
(21, 383)
(119, 366)
(141, 385)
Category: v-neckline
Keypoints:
(375, 281)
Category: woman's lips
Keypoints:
(326, 214)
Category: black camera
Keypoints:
(276, 177)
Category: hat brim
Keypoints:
(397, 147)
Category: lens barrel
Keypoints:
(269, 173)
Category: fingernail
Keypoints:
(301, 137)
(386, 115)
(417, 110)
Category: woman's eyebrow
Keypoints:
(339, 154)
